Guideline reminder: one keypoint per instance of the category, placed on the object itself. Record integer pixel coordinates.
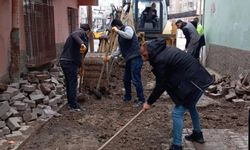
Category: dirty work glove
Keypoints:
(81, 71)
(83, 49)
(106, 58)
(115, 29)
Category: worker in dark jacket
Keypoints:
(200, 31)
(130, 50)
(71, 60)
(191, 35)
(149, 14)
(184, 79)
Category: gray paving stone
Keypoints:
(27, 117)
(28, 88)
(52, 94)
(12, 91)
(1, 133)
(59, 89)
(18, 97)
(230, 96)
(15, 85)
(43, 76)
(206, 101)
(54, 80)
(13, 124)
(4, 108)
(37, 96)
(30, 103)
(26, 130)
(6, 115)
(238, 102)
(20, 106)
(2, 124)
(53, 102)
(46, 100)
(4, 97)
(45, 88)
(6, 130)
(15, 136)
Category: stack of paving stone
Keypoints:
(236, 91)
(28, 100)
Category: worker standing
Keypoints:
(129, 47)
(200, 31)
(191, 35)
(71, 60)
(184, 79)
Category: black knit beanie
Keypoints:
(116, 22)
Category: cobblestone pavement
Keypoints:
(218, 139)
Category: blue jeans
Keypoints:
(70, 73)
(133, 72)
(178, 115)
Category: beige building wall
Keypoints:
(61, 18)
(5, 29)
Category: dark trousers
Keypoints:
(133, 73)
(70, 72)
(201, 43)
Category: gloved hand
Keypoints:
(106, 58)
(81, 71)
(115, 29)
(83, 49)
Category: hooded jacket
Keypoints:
(176, 72)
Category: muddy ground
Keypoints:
(89, 129)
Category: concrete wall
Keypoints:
(227, 30)
(5, 29)
(61, 21)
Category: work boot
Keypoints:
(195, 137)
(175, 147)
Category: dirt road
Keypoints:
(89, 129)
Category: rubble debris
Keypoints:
(28, 88)
(28, 100)
(4, 108)
(4, 97)
(236, 91)
(238, 102)
(13, 123)
(3, 87)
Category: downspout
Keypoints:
(14, 68)
(206, 47)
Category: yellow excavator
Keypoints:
(97, 67)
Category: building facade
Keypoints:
(181, 6)
(32, 33)
(227, 31)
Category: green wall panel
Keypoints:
(227, 23)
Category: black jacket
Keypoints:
(71, 50)
(176, 72)
(149, 14)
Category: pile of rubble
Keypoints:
(36, 96)
(237, 91)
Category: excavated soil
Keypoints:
(89, 129)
